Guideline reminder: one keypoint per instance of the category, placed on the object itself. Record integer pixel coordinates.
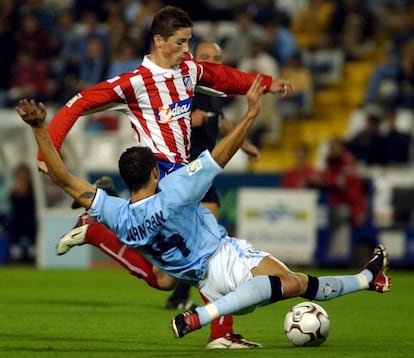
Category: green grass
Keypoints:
(107, 313)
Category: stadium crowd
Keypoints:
(56, 48)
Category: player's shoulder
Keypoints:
(123, 77)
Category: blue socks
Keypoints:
(258, 290)
(333, 286)
(266, 289)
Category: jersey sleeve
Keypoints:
(105, 209)
(101, 95)
(221, 80)
(189, 183)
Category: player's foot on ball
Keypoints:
(378, 265)
(232, 341)
(184, 323)
(74, 237)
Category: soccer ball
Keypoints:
(307, 324)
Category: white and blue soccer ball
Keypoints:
(307, 324)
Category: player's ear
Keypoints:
(158, 40)
(155, 173)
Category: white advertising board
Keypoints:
(282, 222)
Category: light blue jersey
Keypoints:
(171, 228)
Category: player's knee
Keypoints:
(164, 281)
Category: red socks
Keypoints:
(105, 240)
(220, 326)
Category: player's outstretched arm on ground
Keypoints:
(35, 115)
(228, 146)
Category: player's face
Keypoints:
(176, 47)
(210, 52)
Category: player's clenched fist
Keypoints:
(32, 113)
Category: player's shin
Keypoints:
(258, 290)
(329, 287)
(137, 265)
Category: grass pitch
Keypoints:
(107, 313)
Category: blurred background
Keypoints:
(336, 169)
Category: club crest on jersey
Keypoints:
(174, 111)
(194, 167)
(73, 100)
(188, 83)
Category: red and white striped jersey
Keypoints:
(157, 102)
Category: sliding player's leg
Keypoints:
(272, 281)
(88, 231)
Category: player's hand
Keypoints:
(254, 96)
(42, 167)
(282, 86)
(199, 117)
(32, 113)
(251, 150)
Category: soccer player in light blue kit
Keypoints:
(165, 221)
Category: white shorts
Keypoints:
(229, 267)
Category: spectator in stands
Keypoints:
(310, 24)
(345, 189)
(397, 143)
(302, 173)
(237, 47)
(94, 66)
(80, 7)
(142, 21)
(8, 23)
(300, 104)
(280, 41)
(267, 124)
(404, 32)
(62, 47)
(91, 69)
(368, 145)
(351, 27)
(392, 84)
(126, 60)
(115, 26)
(32, 35)
(28, 78)
(91, 28)
(117, 34)
(44, 15)
(23, 220)
(405, 78)
(130, 8)
(259, 11)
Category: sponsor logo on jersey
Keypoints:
(188, 83)
(73, 100)
(174, 111)
(194, 167)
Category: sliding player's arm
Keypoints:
(79, 189)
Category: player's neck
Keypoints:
(141, 195)
(159, 60)
(149, 190)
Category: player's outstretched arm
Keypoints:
(228, 146)
(35, 115)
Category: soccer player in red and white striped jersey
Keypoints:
(157, 96)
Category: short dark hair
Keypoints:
(168, 20)
(135, 165)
